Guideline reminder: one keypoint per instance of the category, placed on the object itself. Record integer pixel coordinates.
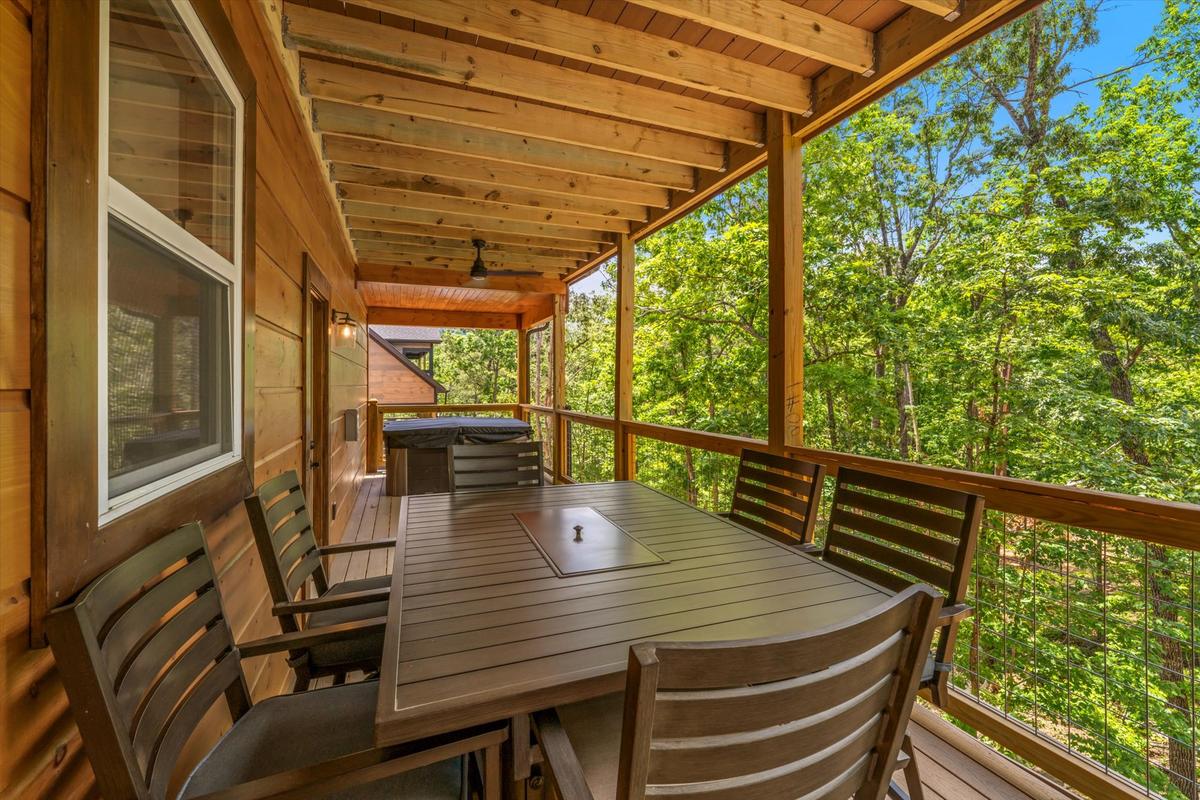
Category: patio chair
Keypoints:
(291, 559)
(145, 652)
(895, 533)
(777, 496)
(505, 465)
(814, 715)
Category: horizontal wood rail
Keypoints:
(1159, 521)
(449, 408)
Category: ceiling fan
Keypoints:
(479, 270)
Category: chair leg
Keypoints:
(912, 775)
(491, 773)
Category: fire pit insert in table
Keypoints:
(579, 540)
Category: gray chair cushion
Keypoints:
(929, 671)
(350, 651)
(594, 728)
(297, 730)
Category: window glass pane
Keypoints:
(171, 125)
(169, 378)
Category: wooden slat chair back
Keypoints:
(148, 644)
(145, 652)
(816, 715)
(897, 532)
(505, 465)
(777, 496)
(286, 543)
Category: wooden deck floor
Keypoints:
(953, 764)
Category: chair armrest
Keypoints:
(299, 640)
(331, 601)
(954, 613)
(559, 756)
(354, 547)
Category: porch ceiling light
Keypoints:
(346, 327)
(478, 269)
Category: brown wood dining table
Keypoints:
(485, 624)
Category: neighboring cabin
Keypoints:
(401, 364)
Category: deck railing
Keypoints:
(1082, 657)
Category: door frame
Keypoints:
(316, 292)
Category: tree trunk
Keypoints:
(690, 466)
(831, 420)
(903, 407)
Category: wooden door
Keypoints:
(318, 318)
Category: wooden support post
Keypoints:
(374, 436)
(522, 374)
(785, 219)
(625, 451)
(558, 353)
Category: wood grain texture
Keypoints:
(489, 630)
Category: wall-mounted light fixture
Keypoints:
(345, 326)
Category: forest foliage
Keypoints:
(1002, 274)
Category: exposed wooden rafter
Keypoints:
(783, 25)
(432, 164)
(351, 174)
(403, 95)
(463, 254)
(462, 64)
(445, 231)
(383, 273)
(377, 315)
(946, 9)
(409, 240)
(594, 41)
(329, 117)
(473, 223)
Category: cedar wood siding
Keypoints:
(40, 750)
(394, 382)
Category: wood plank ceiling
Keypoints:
(547, 128)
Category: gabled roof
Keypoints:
(408, 333)
(403, 359)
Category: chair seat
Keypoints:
(365, 649)
(306, 728)
(930, 670)
(594, 728)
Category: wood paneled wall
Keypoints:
(393, 382)
(40, 750)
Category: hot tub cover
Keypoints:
(446, 431)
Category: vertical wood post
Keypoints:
(522, 373)
(374, 436)
(785, 218)
(558, 353)
(625, 450)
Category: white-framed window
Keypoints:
(170, 255)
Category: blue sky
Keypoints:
(1123, 25)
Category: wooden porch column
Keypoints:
(523, 372)
(785, 253)
(625, 450)
(558, 353)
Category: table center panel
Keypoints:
(578, 540)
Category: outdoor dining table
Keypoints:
(500, 606)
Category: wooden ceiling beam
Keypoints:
(946, 9)
(381, 315)
(413, 252)
(594, 41)
(415, 276)
(434, 101)
(443, 231)
(469, 190)
(458, 205)
(364, 123)
(783, 25)
(464, 65)
(463, 244)
(428, 165)
(461, 265)
(474, 223)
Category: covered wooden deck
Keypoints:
(954, 765)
